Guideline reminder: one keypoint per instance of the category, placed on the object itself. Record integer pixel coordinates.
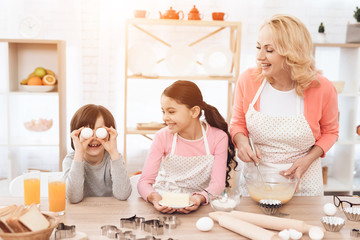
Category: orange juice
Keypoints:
(57, 196)
(31, 191)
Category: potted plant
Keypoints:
(321, 34)
(353, 30)
(357, 14)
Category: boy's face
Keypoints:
(95, 150)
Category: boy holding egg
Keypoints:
(95, 168)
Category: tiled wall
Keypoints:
(94, 31)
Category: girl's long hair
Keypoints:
(189, 94)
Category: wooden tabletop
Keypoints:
(92, 213)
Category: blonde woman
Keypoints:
(285, 106)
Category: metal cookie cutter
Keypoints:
(170, 222)
(154, 226)
(110, 231)
(127, 235)
(355, 232)
(64, 231)
(131, 222)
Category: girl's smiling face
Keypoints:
(177, 116)
(271, 62)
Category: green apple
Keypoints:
(40, 72)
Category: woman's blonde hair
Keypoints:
(292, 40)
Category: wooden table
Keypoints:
(92, 213)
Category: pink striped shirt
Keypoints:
(161, 147)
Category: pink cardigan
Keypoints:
(320, 108)
(161, 147)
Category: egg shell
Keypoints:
(87, 133)
(329, 209)
(101, 133)
(294, 234)
(315, 233)
(284, 234)
(204, 224)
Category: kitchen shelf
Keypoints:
(20, 148)
(340, 62)
(162, 35)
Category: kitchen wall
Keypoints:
(94, 32)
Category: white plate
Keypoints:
(218, 60)
(180, 60)
(36, 88)
(142, 59)
(177, 207)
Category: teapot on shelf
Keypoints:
(172, 14)
(194, 14)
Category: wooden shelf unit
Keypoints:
(344, 157)
(18, 145)
(233, 43)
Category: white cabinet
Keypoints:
(21, 148)
(160, 51)
(341, 62)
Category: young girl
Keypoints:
(188, 155)
(95, 168)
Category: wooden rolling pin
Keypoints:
(271, 222)
(241, 227)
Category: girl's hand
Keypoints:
(80, 144)
(154, 198)
(110, 143)
(245, 153)
(197, 200)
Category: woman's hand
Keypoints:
(197, 200)
(154, 198)
(301, 165)
(245, 153)
(110, 143)
(80, 144)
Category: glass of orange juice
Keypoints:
(32, 188)
(57, 193)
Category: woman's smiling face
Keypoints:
(270, 62)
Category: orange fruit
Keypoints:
(34, 81)
(48, 80)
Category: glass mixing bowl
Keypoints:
(270, 185)
(225, 202)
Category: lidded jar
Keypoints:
(194, 14)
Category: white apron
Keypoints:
(281, 140)
(185, 174)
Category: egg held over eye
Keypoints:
(86, 133)
(101, 133)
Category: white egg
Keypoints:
(87, 133)
(315, 233)
(284, 234)
(294, 234)
(101, 133)
(204, 224)
(329, 209)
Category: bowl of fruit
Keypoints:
(41, 80)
